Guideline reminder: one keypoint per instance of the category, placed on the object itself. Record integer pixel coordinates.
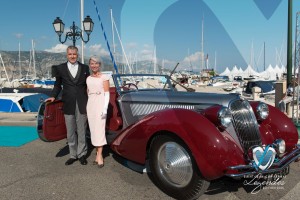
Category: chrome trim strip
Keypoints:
(140, 109)
(283, 163)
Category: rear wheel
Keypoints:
(174, 170)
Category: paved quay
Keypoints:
(18, 119)
(36, 170)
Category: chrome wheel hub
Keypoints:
(174, 164)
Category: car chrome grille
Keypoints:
(245, 124)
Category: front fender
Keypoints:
(211, 149)
(277, 125)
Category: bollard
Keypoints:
(255, 93)
(280, 90)
(289, 109)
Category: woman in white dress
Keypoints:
(98, 99)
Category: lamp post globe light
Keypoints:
(75, 33)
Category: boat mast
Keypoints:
(207, 61)
(112, 31)
(30, 64)
(252, 56)
(162, 66)
(215, 68)
(33, 59)
(191, 66)
(289, 44)
(264, 57)
(154, 60)
(4, 68)
(20, 60)
(122, 47)
(202, 46)
(81, 16)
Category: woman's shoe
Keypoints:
(101, 165)
(95, 162)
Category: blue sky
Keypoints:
(234, 30)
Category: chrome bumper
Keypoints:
(246, 170)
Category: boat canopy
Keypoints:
(21, 102)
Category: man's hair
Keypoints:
(72, 48)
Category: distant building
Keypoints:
(208, 72)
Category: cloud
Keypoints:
(146, 54)
(196, 57)
(97, 49)
(44, 37)
(147, 46)
(194, 60)
(167, 64)
(131, 45)
(19, 35)
(59, 48)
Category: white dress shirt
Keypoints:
(73, 68)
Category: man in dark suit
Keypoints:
(71, 77)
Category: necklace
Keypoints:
(96, 75)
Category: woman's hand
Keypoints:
(104, 114)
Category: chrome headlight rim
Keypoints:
(224, 117)
(262, 111)
(280, 146)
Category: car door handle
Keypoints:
(49, 117)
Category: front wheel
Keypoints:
(174, 170)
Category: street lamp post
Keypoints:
(75, 33)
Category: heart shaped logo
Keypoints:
(264, 158)
(266, 7)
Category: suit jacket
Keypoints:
(73, 89)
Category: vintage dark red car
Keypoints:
(188, 139)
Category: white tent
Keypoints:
(241, 70)
(234, 72)
(250, 72)
(269, 73)
(272, 73)
(226, 72)
(283, 69)
(278, 71)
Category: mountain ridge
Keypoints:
(45, 60)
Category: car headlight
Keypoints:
(224, 117)
(262, 111)
(279, 146)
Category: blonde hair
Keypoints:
(96, 59)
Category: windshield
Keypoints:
(138, 82)
(266, 86)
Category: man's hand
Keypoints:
(51, 99)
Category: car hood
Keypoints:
(169, 97)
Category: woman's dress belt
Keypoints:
(96, 93)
